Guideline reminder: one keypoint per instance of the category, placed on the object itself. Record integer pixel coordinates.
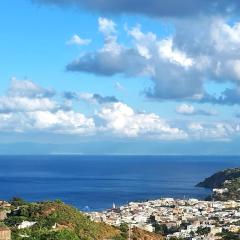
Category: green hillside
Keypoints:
(55, 221)
(217, 179)
(228, 181)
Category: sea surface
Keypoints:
(96, 182)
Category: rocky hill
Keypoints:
(217, 179)
(225, 185)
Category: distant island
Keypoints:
(225, 185)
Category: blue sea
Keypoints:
(96, 182)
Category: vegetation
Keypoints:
(228, 179)
(55, 221)
(203, 230)
(2, 225)
(226, 235)
(233, 192)
(217, 179)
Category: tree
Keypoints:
(161, 229)
(203, 230)
(16, 202)
(124, 227)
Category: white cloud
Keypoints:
(23, 104)
(187, 109)
(24, 95)
(167, 66)
(167, 51)
(221, 131)
(76, 40)
(62, 122)
(199, 51)
(27, 88)
(27, 109)
(69, 122)
(106, 26)
(224, 36)
(122, 120)
(88, 97)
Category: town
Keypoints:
(168, 218)
(177, 219)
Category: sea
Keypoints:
(94, 183)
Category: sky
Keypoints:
(120, 77)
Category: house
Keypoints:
(5, 233)
(26, 224)
(3, 215)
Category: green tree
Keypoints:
(203, 230)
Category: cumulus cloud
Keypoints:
(166, 66)
(20, 104)
(204, 47)
(122, 120)
(90, 97)
(106, 26)
(27, 88)
(154, 8)
(213, 131)
(29, 107)
(26, 108)
(111, 59)
(190, 110)
(179, 65)
(24, 95)
(76, 40)
(45, 121)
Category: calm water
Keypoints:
(95, 182)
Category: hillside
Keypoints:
(225, 185)
(217, 179)
(55, 220)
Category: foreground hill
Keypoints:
(225, 184)
(54, 220)
(58, 221)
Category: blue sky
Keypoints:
(75, 72)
